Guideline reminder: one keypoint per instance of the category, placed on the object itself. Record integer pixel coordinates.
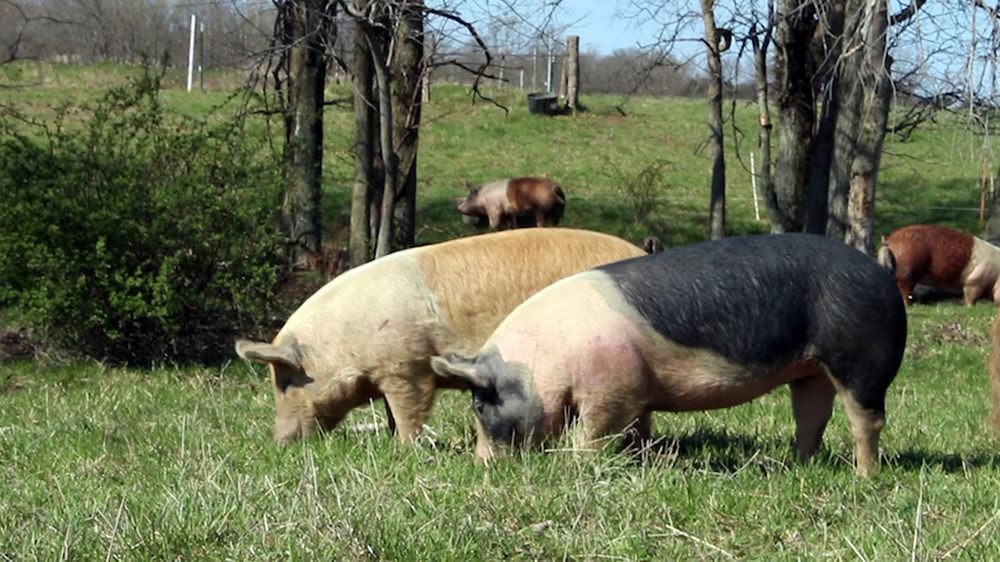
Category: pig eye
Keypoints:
(481, 399)
(478, 405)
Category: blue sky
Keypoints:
(934, 46)
(599, 28)
(603, 29)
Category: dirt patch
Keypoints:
(955, 333)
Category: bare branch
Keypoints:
(907, 12)
(479, 72)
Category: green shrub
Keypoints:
(135, 234)
(642, 189)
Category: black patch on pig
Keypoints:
(765, 301)
(507, 411)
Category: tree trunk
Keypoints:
(818, 198)
(992, 232)
(364, 202)
(861, 122)
(383, 82)
(407, 71)
(572, 66)
(717, 204)
(765, 177)
(304, 160)
(827, 44)
(874, 84)
(796, 115)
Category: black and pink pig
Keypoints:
(706, 326)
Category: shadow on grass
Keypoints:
(717, 451)
(725, 451)
(916, 459)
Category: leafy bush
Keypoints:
(642, 189)
(138, 235)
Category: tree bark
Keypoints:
(717, 203)
(827, 45)
(796, 114)
(408, 67)
(304, 133)
(572, 67)
(872, 83)
(383, 84)
(765, 177)
(364, 201)
(864, 97)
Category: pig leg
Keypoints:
(539, 217)
(971, 293)
(603, 421)
(410, 398)
(866, 425)
(389, 418)
(638, 434)
(495, 216)
(906, 289)
(812, 406)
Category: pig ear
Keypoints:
(262, 352)
(471, 186)
(459, 368)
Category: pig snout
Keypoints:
(289, 429)
(484, 452)
(466, 206)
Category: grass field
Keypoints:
(103, 463)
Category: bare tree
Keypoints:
(129, 31)
(391, 37)
(21, 25)
(716, 41)
(13, 23)
(834, 87)
(796, 108)
(865, 92)
(760, 38)
(365, 201)
(408, 70)
(303, 31)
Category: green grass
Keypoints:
(932, 178)
(177, 464)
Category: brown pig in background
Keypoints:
(510, 203)
(944, 259)
(371, 331)
(706, 326)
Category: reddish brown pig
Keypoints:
(371, 331)
(706, 326)
(510, 203)
(944, 259)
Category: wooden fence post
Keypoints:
(572, 71)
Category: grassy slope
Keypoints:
(176, 464)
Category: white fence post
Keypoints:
(194, 21)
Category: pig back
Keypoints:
(476, 281)
(764, 300)
(374, 313)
